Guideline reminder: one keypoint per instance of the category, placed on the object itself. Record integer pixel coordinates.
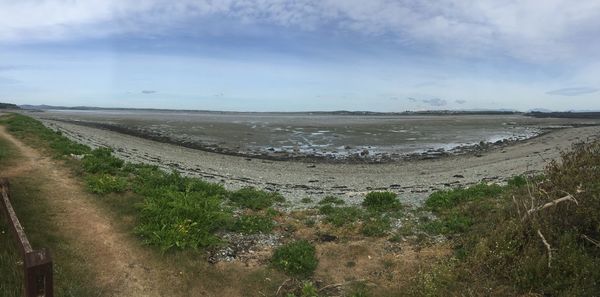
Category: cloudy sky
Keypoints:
(290, 55)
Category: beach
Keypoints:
(413, 179)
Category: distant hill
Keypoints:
(337, 112)
(8, 106)
(568, 114)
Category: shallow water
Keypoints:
(334, 136)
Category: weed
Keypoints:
(182, 220)
(255, 199)
(376, 226)
(331, 200)
(106, 183)
(342, 216)
(251, 224)
(449, 224)
(447, 199)
(381, 201)
(297, 258)
(306, 200)
(101, 160)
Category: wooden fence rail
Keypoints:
(37, 264)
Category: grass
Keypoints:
(447, 199)
(71, 275)
(331, 200)
(105, 183)
(252, 198)
(254, 223)
(381, 201)
(341, 216)
(500, 251)
(297, 259)
(376, 226)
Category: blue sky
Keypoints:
(268, 55)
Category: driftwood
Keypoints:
(548, 247)
(569, 197)
(594, 242)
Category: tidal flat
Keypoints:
(311, 156)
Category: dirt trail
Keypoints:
(123, 268)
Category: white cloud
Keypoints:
(533, 30)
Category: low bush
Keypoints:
(381, 201)
(255, 199)
(297, 259)
(519, 240)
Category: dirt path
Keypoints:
(123, 267)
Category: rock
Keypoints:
(458, 176)
(327, 238)
(311, 166)
(364, 152)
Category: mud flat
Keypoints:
(412, 179)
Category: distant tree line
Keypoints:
(8, 106)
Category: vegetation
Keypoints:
(252, 224)
(331, 200)
(255, 199)
(522, 238)
(71, 278)
(8, 106)
(381, 201)
(297, 259)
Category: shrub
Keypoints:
(255, 199)
(381, 201)
(517, 181)
(251, 224)
(106, 183)
(297, 258)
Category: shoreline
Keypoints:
(412, 180)
(474, 149)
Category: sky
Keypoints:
(302, 55)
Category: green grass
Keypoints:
(381, 201)
(450, 198)
(36, 133)
(105, 183)
(376, 226)
(101, 160)
(252, 198)
(341, 216)
(331, 200)
(254, 223)
(297, 259)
